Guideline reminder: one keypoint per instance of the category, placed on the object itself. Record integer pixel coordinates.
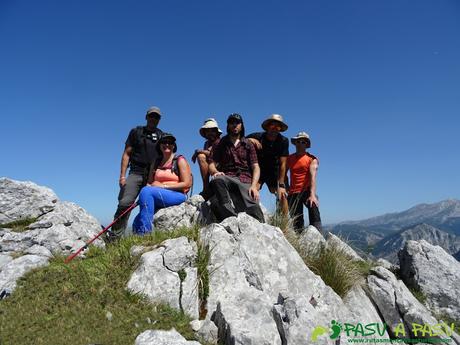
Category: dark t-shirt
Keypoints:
(271, 152)
(143, 143)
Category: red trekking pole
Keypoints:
(72, 256)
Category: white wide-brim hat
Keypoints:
(275, 118)
(209, 123)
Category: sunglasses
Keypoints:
(302, 142)
(154, 116)
(274, 125)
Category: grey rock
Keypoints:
(161, 337)
(71, 226)
(4, 259)
(196, 325)
(396, 303)
(311, 241)
(137, 250)
(24, 199)
(386, 264)
(39, 250)
(435, 273)
(185, 214)
(157, 276)
(261, 292)
(333, 240)
(16, 268)
(363, 308)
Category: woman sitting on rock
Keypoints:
(169, 181)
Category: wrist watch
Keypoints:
(281, 185)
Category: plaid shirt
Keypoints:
(235, 160)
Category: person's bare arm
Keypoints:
(256, 143)
(282, 177)
(312, 199)
(185, 177)
(213, 170)
(124, 165)
(254, 190)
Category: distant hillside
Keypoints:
(389, 246)
(359, 237)
(444, 215)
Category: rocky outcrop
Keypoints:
(435, 273)
(15, 269)
(60, 228)
(193, 211)
(397, 304)
(167, 274)
(260, 290)
(311, 241)
(160, 337)
(20, 200)
(333, 240)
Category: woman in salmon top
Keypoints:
(169, 181)
(303, 168)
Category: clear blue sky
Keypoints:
(375, 83)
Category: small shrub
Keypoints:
(335, 268)
(418, 294)
(19, 225)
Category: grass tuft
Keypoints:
(19, 225)
(70, 303)
(330, 262)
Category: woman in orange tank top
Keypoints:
(165, 187)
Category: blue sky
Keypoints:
(375, 83)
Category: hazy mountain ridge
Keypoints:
(389, 246)
(384, 235)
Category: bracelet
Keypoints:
(281, 185)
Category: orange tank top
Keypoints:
(299, 169)
(165, 174)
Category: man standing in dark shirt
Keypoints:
(138, 154)
(235, 183)
(272, 152)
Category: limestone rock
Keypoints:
(63, 230)
(19, 200)
(185, 214)
(363, 308)
(311, 240)
(159, 275)
(4, 259)
(161, 337)
(435, 273)
(333, 240)
(16, 268)
(396, 303)
(261, 292)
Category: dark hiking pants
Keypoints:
(232, 196)
(126, 197)
(296, 201)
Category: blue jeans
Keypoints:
(151, 199)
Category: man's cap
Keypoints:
(153, 110)
(275, 118)
(209, 123)
(235, 116)
(301, 135)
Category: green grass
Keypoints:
(418, 294)
(62, 303)
(19, 225)
(331, 263)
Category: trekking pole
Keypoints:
(72, 256)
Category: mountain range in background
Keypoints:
(383, 236)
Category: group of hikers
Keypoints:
(233, 168)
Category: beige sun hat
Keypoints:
(301, 135)
(209, 123)
(277, 118)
